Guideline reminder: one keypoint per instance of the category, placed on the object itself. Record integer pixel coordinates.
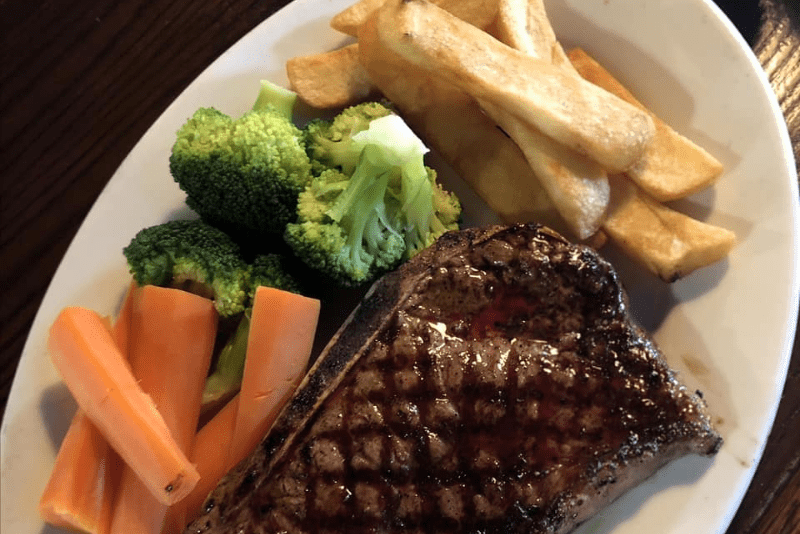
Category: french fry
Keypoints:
(348, 20)
(479, 13)
(577, 186)
(331, 79)
(453, 124)
(672, 166)
(572, 111)
(524, 25)
(668, 243)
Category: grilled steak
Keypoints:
(495, 383)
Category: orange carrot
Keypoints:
(79, 492)
(122, 326)
(75, 492)
(210, 454)
(171, 343)
(279, 345)
(96, 373)
(281, 336)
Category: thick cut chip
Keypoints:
(330, 80)
(672, 166)
(453, 125)
(524, 25)
(669, 243)
(577, 186)
(572, 111)
(479, 13)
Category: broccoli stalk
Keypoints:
(279, 98)
(373, 203)
(229, 368)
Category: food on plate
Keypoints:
(78, 495)
(544, 96)
(277, 97)
(524, 25)
(667, 242)
(278, 351)
(494, 382)
(454, 125)
(195, 256)
(374, 203)
(577, 186)
(242, 175)
(171, 344)
(529, 176)
(672, 166)
(98, 376)
(479, 13)
(171, 335)
(330, 79)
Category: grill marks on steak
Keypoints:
(497, 385)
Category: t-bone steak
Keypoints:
(494, 383)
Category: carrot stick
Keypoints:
(79, 492)
(96, 373)
(171, 343)
(210, 454)
(122, 326)
(282, 329)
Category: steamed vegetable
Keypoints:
(374, 203)
(79, 493)
(281, 337)
(282, 333)
(97, 375)
(172, 339)
(243, 175)
(194, 256)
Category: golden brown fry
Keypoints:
(348, 20)
(479, 13)
(667, 242)
(452, 123)
(330, 80)
(577, 186)
(672, 166)
(572, 111)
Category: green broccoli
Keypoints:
(194, 256)
(243, 175)
(328, 142)
(373, 202)
(272, 270)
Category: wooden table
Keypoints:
(81, 82)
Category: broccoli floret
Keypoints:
(375, 203)
(272, 270)
(195, 256)
(328, 142)
(242, 175)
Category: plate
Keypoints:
(728, 328)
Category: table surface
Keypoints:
(79, 87)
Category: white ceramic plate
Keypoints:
(729, 327)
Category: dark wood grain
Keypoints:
(80, 83)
